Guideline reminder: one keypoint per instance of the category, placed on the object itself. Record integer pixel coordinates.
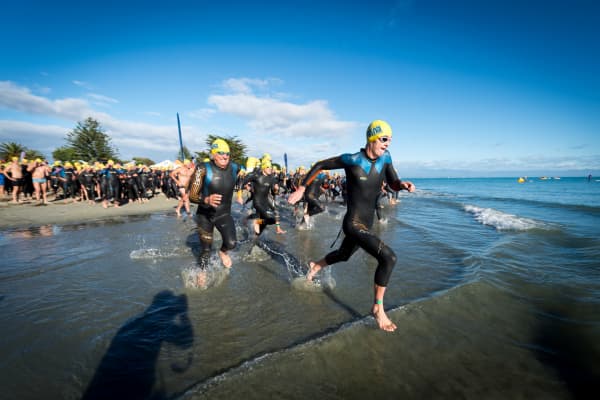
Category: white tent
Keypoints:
(165, 164)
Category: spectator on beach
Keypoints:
(14, 173)
(181, 176)
(39, 174)
(2, 180)
(111, 190)
(365, 173)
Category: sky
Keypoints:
(470, 88)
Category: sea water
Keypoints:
(496, 294)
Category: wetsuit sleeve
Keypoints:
(391, 177)
(330, 163)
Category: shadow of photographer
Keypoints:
(128, 369)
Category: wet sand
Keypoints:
(30, 213)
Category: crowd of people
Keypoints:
(110, 184)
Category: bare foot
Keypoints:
(225, 259)
(279, 231)
(314, 268)
(201, 279)
(382, 319)
(256, 227)
(104, 204)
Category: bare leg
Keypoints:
(278, 229)
(256, 224)
(186, 204)
(44, 194)
(16, 190)
(201, 279)
(379, 312)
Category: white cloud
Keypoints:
(248, 85)
(102, 100)
(264, 113)
(13, 130)
(132, 138)
(82, 84)
(202, 113)
(21, 99)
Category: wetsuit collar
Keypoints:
(367, 156)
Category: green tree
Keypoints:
(9, 150)
(64, 153)
(187, 154)
(143, 160)
(90, 142)
(236, 146)
(33, 154)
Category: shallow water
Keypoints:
(496, 294)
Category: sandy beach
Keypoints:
(30, 213)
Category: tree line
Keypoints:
(89, 142)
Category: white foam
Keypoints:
(153, 254)
(196, 278)
(500, 220)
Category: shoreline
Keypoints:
(32, 214)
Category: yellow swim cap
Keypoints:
(186, 162)
(377, 129)
(251, 163)
(38, 160)
(265, 164)
(219, 146)
(266, 156)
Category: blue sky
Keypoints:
(470, 88)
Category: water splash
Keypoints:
(153, 253)
(195, 277)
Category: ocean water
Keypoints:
(496, 294)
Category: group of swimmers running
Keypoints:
(215, 183)
(212, 186)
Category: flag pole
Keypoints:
(180, 141)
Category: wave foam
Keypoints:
(500, 220)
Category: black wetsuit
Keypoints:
(88, 180)
(112, 189)
(263, 187)
(312, 194)
(364, 178)
(215, 180)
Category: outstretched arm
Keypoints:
(297, 195)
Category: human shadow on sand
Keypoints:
(128, 369)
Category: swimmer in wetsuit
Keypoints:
(211, 187)
(312, 193)
(365, 172)
(264, 185)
